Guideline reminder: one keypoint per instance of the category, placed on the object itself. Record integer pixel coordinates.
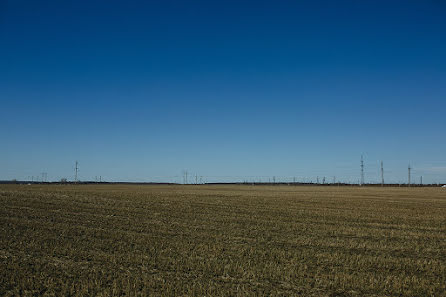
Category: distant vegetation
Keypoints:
(103, 240)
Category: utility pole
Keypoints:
(408, 172)
(362, 170)
(382, 174)
(421, 180)
(76, 168)
(317, 180)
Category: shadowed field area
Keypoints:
(171, 240)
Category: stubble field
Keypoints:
(111, 240)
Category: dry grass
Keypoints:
(222, 241)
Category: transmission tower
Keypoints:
(185, 177)
(408, 173)
(362, 170)
(382, 174)
(76, 168)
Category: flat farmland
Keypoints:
(172, 240)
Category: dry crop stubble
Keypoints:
(240, 240)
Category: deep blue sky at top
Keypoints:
(142, 90)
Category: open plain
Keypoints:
(227, 240)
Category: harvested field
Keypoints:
(172, 240)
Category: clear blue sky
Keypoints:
(142, 90)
